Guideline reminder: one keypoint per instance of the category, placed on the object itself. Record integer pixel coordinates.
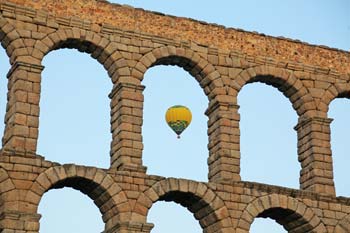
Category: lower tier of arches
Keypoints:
(125, 198)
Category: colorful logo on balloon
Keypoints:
(178, 118)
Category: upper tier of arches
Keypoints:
(127, 57)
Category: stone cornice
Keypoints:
(113, 19)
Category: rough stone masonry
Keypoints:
(127, 42)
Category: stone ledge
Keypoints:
(27, 67)
(131, 227)
(273, 189)
(319, 120)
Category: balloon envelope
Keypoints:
(178, 118)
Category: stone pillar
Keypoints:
(22, 111)
(131, 227)
(126, 125)
(13, 222)
(224, 150)
(315, 155)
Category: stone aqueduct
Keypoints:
(128, 41)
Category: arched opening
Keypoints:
(67, 210)
(4, 68)
(339, 110)
(261, 225)
(75, 112)
(172, 218)
(285, 221)
(93, 182)
(290, 213)
(164, 154)
(268, 141)
(197, 198)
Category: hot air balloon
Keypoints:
(178, 118)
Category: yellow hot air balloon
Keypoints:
(178, 118)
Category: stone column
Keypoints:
(22, 111)
(224, 150)
(131, 227)
(315, 155)
(13, 222)
(126, 124)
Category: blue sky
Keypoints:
(74, 121)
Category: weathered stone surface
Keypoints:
(124, 193)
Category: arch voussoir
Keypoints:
(11, 40)
(285, 206)
(106, 52)
(100, 45)
(107, 195)
(110, 49)
(148, 59)
(204, 72)
(107, 182)
(121, 200)
(38, 189)
(332, 92)
(246, 76)
(203, 202)
(343, 225)
(6, 184)
(171, 50)
(152, 194)
(283, 79)
(53, 178)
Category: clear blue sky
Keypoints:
(268, 140)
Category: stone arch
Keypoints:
(207, 207)
(10, 39)
(284, 80)
(95, 183)
(292, 87)
(291, 213)
(17, 52)
(195, 64)
(343, 225)
(334, 91)
(100, 48)
(8, 193)
(6, 183)
(8, 34)
(337, 90)
(204, 72)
